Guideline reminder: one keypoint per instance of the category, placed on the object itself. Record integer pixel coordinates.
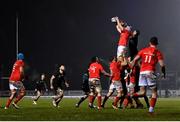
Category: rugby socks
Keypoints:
(121, 101)
(94, 97)
(104, 101)
(153, 102)
(136, 95)
(36, 99)
(8, 103)
(147, 101)
(91, 99)
(82, 99)
(19, 97)
(99, 101)
(125, 103)
(116, 101)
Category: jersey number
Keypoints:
(148, 59)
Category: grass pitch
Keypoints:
(166, 109)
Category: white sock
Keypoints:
(151, 109)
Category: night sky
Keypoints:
(72, 31)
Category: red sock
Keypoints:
(116, 100)
(8, 103)
(99, 101)
(19, 97)
(125, 102)
(136, 95)
(153, 102)
(91, 98)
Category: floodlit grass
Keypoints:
(166, 109)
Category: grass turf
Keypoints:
(166, 109)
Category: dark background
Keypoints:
(72, 31)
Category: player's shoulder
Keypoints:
(21, 62)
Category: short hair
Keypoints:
(138, 32)
(94, 59)
(154, 40)
(111, 58)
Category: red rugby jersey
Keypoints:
(94, 70)
(15, 74)
(150, 57)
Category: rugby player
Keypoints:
(149, 56)
(125, 33)
(86, 90)
(116, 85)
(40, 88)
(57, 82)
(95, 69)
(16, 82)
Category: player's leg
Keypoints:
(119, 89)
(111, 88)
(106, 98)
(143, 82)
(147, 101)
(13, 89)
(59, 96)
(98, 91)
(124, 93)
(153, 99)
(38, 94)
(152, 84)
(117, 98)
(19, 97)
(82, 99)
(128, 99)
(13, 93)
(92, 93)
(121, 51)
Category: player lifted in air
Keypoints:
(125, 33)
(40, 88)
(149, 56)
(57, 82)
(95, 69)
(15, 82)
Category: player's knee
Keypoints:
(13, 93)
(154, 95)
(99, 94)
(23, 93)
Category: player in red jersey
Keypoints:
(15, 82)
(95, 69)
(149, 56)
(125, 33)
(132, 80)
(115, 68)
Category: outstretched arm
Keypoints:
(119, 25)
(134, 61)
(106, 74)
